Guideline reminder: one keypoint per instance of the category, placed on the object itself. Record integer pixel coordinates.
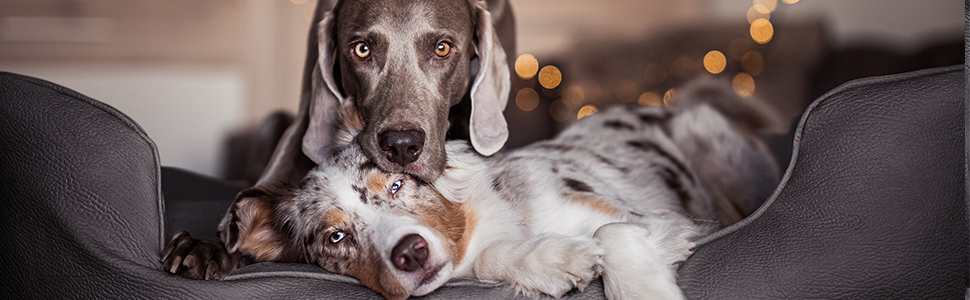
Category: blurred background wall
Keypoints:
(196, 74)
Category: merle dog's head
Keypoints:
(397, 234)
(403, 64)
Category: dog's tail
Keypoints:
(715, 128)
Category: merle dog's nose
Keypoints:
(401, 146)
(410, 253)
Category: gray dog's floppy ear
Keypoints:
(325, 97)
(490, 90)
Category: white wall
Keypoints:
(190, 72)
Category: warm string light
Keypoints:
(649, 98)
(586, 111)
(655, 74)
(715, 62)
(743, 84)
(526, 66)
(527, 99)
(771, 5)
(550, 77)
(762, 31)
(669, 96)
(758, 11)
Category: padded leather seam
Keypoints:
(125, 120)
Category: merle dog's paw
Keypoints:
(556, 265)
(198, 259)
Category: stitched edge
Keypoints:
(841, 89)
(333, 277)
(125, 120)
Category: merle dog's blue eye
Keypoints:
(396, 186)
(336, 237)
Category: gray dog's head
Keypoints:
(404, 63)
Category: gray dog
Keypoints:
(404, 64)
(412, 69)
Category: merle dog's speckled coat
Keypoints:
(622, 193)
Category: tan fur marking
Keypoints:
(455, 221)
(595, 203)
(258, 238)
(374, 275)
(351, 118)
(262, 244)
(336, 217)
(376, 183)
(461, 245)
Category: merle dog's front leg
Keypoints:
(199, 259)
(549, 263)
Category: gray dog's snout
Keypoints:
(401, 146)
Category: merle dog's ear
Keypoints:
(249, 227)
(490, 90)
(325, 98)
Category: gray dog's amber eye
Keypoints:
(336, 237)
(361, 50)
(442, 50)
(395, 186)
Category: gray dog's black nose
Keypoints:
(401, 146)
(410, 253)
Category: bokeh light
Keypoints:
(550, 77)
(526, 66)
(586, 111)
(649, 98)
(655, 74)
(758, 11)
(527, 99)
(753, 63)
(770, 4)
(558, 111)
(626, 90)
(743, 84)
(669, 97)
(573, 96)
(762, 31)
(790, 1)
(715, 62)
